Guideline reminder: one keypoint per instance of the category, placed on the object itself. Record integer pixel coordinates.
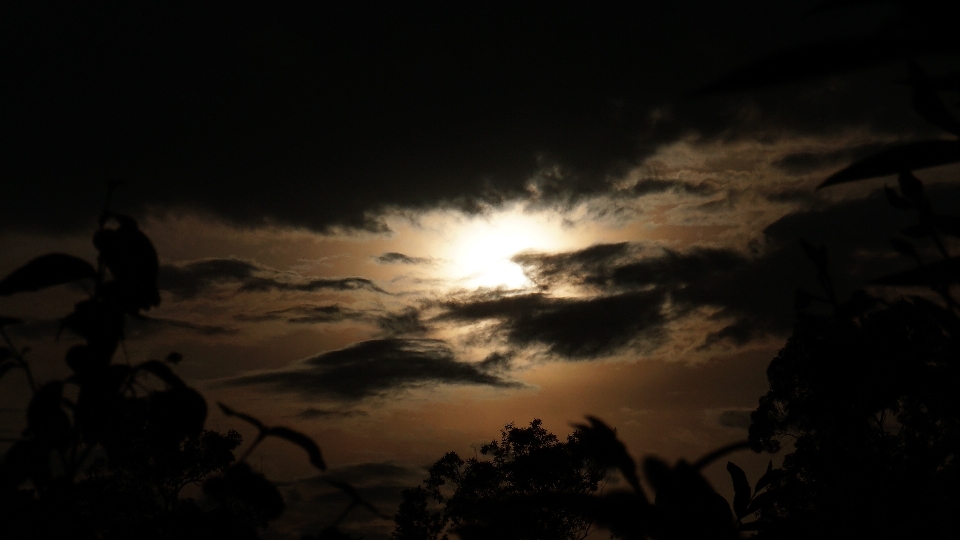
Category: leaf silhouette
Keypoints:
(301, 440)
(602, 442)
(895, 199)
(741, 489)
(133, 261)
(764, 480)
(46, 271)
(927, 102)
(245, 417)
(355, 498)
(910, 186)
(898, 158)
(760, 502)
(818, 255)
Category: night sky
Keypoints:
(399, 227)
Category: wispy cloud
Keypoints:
(393, 257)
(374, 368)
(571, 328)
(189, 280)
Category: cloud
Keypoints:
(646, 186)
(188, 280)
(330, 313)
(260, 284)
(312, 412)
(737, 418)
(570, 328)
(497, 361)
(547, 269)
(349, 112)
(406, 321)
(629, 294)
(809, 162)
(399, 258)
(145, 324)
(374, 368)
(191, 279)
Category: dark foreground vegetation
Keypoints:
(108, 451)
(864, 401)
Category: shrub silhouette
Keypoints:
(108, 450)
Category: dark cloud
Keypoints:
(545, 269)
(393, 257)
(329, 313)
(808, 162)
(323, 116)
(406, 321)
(191, 279)
(647, 186)
(735, 418)
(194, 278)
(635, 290)
(497, 361)
(143, 324)
(740, 332)
(671, 269)
(571, 328)
(260, 284)
(321, 314)
(313, 412)
(375, 368)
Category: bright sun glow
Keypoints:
(480, 249)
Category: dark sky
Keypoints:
(399, 227)
(321, 115)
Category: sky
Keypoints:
(398, 228)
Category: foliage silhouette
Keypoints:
(537, 487)
(524, 461)
(108, 450)
(866, 393)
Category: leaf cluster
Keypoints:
(108, 450)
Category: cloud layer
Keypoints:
(327, 116)
(375, 368)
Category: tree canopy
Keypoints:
(527, 460)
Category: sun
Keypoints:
(479, 249)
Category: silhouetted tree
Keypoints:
(524, 461)
(871, 410)
(865, 396)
